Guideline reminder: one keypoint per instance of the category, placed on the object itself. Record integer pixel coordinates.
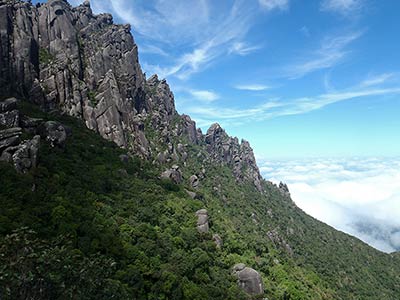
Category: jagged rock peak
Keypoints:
(227, 150)
(160, 97)
(87, 67)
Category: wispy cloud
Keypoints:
(274, 4)
(252, 87)
(204, 95)
(285, 107)
(331, 52)
(198, 31)
(378, 79)
(242, 48)
(145, 48)
(164, 21)
(344, 7)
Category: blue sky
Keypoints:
(296, 78)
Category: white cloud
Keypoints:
(203, 95)
(274, 4)
(252, 87)
(274, 108)
(331, 52)
(164, 21)
(200, 27)
(153, 50)
(378, 79)
(242, 48)
(360, 196)
(341, 6)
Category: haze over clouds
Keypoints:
(360, 196)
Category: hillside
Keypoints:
(107, 192)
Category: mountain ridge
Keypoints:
(93, 73)
(177, 221)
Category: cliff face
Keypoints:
(82, 64)
(66, 58)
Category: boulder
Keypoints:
(192, 195)
(53, 132)
(25, 155)
(248, 279)
(202, 221)
(194, 181)
(173, 174)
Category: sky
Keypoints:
(314, 86)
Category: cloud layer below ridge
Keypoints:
(359, 196)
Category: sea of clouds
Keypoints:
(360, 196)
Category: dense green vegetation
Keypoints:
(85, 225)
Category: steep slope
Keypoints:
(131, 232)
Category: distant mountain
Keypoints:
(107, 192)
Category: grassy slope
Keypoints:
(145, 229)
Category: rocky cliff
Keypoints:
(66, 58)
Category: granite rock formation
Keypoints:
(227, 150)
(202, 221)
(66, 58)
(248, 279)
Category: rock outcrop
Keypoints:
(217, 240)
(248, 279)
(53, 132)
(194, 181)
(283, 188)
(9, 137)
(202, 221)
(24, 154)
(174, 174)
(227, 150)
(66, 58)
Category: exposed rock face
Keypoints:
(202, 221)
(194, 181)
(67, 58)
(218, 240)
(174, 174)
(227, 150)
(248, 279)
(160, 99)
(53, 132)
(276, 238)
(284, 189)
(10, 118)
(25, 155)
(70, 59)
(9, 137)
(8, 105)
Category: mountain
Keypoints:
(107, 192)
